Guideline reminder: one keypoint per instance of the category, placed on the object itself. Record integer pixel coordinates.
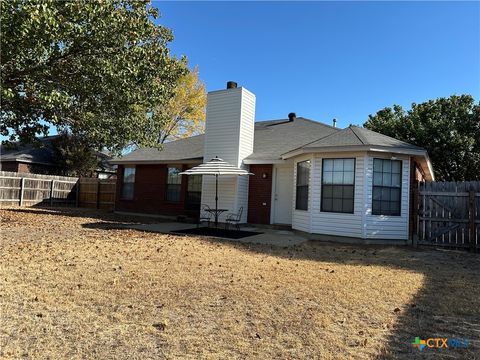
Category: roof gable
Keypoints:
(354, 135)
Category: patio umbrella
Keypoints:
(216, 167)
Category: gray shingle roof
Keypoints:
(354, 135)
(183, 149)
(272, 138)
(40, 153)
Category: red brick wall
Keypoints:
(259, 193)
(149, 192)
(20, 167)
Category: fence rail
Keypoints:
(25, 189)
(448, 214)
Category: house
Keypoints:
(316, 178)
(40, 159)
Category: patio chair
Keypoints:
(234, 219)
(205, 216)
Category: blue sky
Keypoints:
(326, 60)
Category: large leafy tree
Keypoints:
(74, 156)
(89, 67)
(184, 115)
(449, 128)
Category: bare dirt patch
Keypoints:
(75, 286)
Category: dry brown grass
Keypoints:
(74, 288)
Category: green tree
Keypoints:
(74, 155)
(90, 67)
(449, 128)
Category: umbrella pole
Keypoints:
(216, 201)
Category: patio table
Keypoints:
(216, 213)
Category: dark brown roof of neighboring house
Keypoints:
(40, 153)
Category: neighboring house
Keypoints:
(40, 159)
(319, 179)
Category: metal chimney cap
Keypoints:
(292, 116)
(231, 85)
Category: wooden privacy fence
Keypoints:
(97, 193)
(449, 214)
(48, 190)
(34, 189)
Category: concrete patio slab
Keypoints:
(267, 237)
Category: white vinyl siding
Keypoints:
(229, 131)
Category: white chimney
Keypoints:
(229, 124)
(229, 131)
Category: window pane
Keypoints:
(348, 192)
(387, 166)
(377, 179)
(396, 166)
(303, 173)
(376, 207)
(337, 192)
(386, 194)
(337, 205)
(327, 191)
(173, 192)
(348, 205)
(385, 207)
(301, 202)
(395, 208)
(348, 177)
(127, 191)
(395, 195)
(377, 193)
(129, 175)
(348, 165)
(327, 165)
(173, 177)
(338, 165)
(328, 177)
(194, 183)
(327, 205)
(338, 177)
(387, 179)
(396, 180)
(377, 165)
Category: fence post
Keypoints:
(415, 202)
(52, 185)
(77, 193)
(98, 193)
(471, 219)
(22, 185)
